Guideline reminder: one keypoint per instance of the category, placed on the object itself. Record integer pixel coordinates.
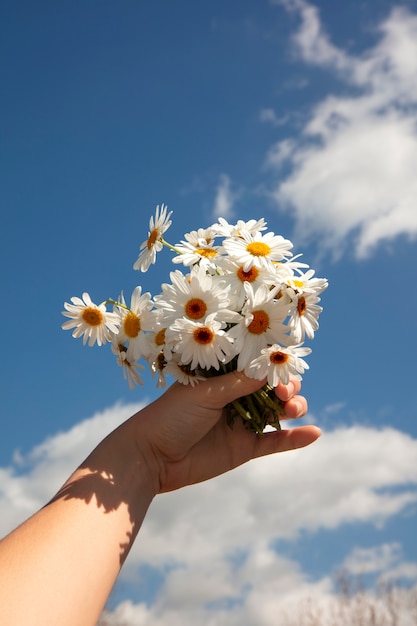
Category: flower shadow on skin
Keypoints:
(102, 485)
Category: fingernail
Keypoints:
(299, 407)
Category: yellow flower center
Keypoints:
(260, 323)
(258, 248)
(298, 283)
(250, 276)
(131, 325)
(203, 335)
(92, 316)
(206, 252)
(152, 238)
(195, 308)
(160, 337)
(301, 306)
(278, 358)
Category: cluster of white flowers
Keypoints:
(245, 302)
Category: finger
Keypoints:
(295, 407)
(220, 390)
(285, 392)
(284, 440)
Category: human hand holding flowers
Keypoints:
(245, 304)
(187, 437)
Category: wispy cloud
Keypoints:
(225, 198)
(352, 169)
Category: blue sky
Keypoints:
(301, 113)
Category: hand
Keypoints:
(189, 441)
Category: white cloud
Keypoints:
(212, 543)
(353, 166)
(386, 559)
(270, 117)
(34, 478)
(225, 198)
(342, 478)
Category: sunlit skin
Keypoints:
(60, 565)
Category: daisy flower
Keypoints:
(200, 344)
(148, 249)
(234, 276)
(124, 360)
(157, 343)
(305, 282)
(194, 296)
(198, 248)
(183, 373)
(135, 321)
(224, 229)
(90, 321)
(278, 364)
(304, 316)
(259, 250)
(261, 323)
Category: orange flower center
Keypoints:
(160, 361)
(301, 306)
(195, 308)
(278, 358)
(160, 337)
(250, 276)
(203, 335)
(92, 316)
(260, 322)
(152, 238)
(131, 325)
(258, 248)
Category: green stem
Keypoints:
(119, 304)
(170, 246)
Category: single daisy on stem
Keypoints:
(135, 321)
(90, 321)
(278, 364)
(257, 249)
(200, 344)
(304, 316)
(155, 241)
(261, 323)
(130, 367)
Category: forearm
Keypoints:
(60, 565)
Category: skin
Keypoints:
(60, 565)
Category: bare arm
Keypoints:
(60, 565)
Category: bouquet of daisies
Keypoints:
(242, 301)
